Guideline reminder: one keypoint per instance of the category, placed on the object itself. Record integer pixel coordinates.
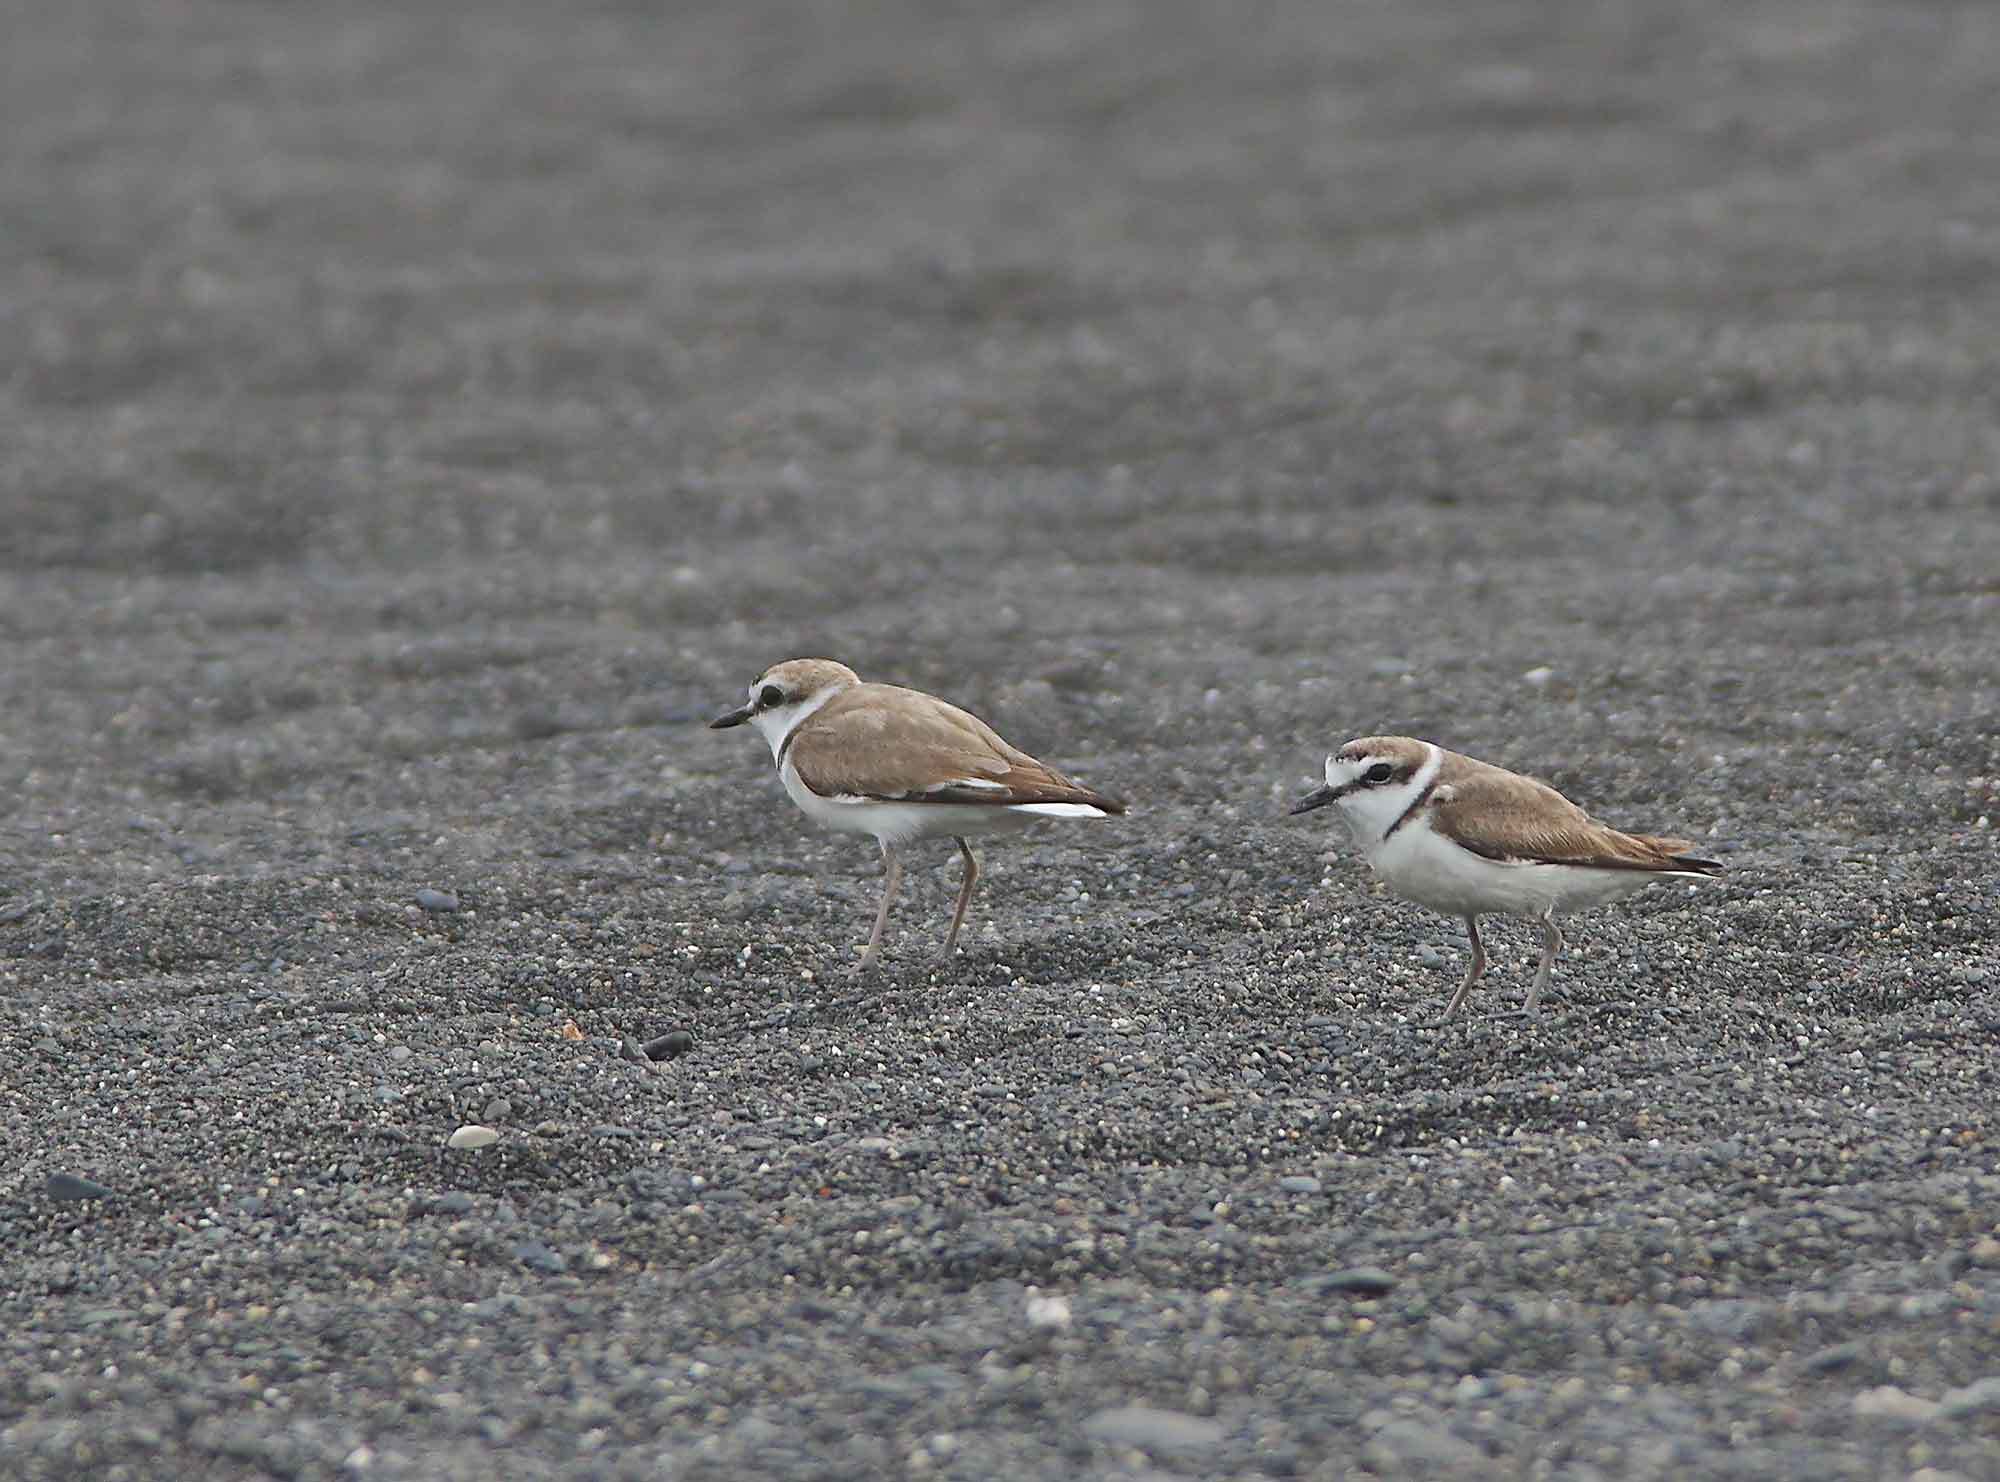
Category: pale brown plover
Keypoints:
(1470, 839)
(901, 765)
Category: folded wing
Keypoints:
(1505, 817)
(858, 747)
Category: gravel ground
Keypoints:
(420, 418)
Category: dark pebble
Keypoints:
(1361, 1281)
(537, 724)
(69, 1188)
(1837, 1357)
(538, 1257)
(674, 1042)
(436, 900)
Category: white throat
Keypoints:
(779, 722)
(1372, 811)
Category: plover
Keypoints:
(901, 765)
(1471, 839)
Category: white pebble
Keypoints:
(1048, 1312)
(1887, 1400)
(472, 1136)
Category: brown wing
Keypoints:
(1504, 816)
(869, 741)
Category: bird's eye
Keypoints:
(1379, 773)
(770, 695)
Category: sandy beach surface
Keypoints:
(420, 419)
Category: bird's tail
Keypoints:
(1676, 852)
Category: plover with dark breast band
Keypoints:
(901, 765)
(1470, 839)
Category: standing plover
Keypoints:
(901, 765)
(1470, 839)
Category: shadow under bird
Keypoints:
(1470, 839)
(901, 765)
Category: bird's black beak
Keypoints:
(1317, 798)
(735, 717)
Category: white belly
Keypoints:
(899, 823)
(1427, 868)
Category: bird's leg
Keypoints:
(1552, 943)
(1472, 973)
(964, 895)
(890, 881)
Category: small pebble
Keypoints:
(1837, 1357)
(1981, 1397)
(1361, 1281)
(1890, 1403)
(436, 900)
(1300, 1183)
(538, 1257)
(1417, 1448)
(1143, 1428)
(1048, 1313)
(472, 1136)
(68, 1188)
